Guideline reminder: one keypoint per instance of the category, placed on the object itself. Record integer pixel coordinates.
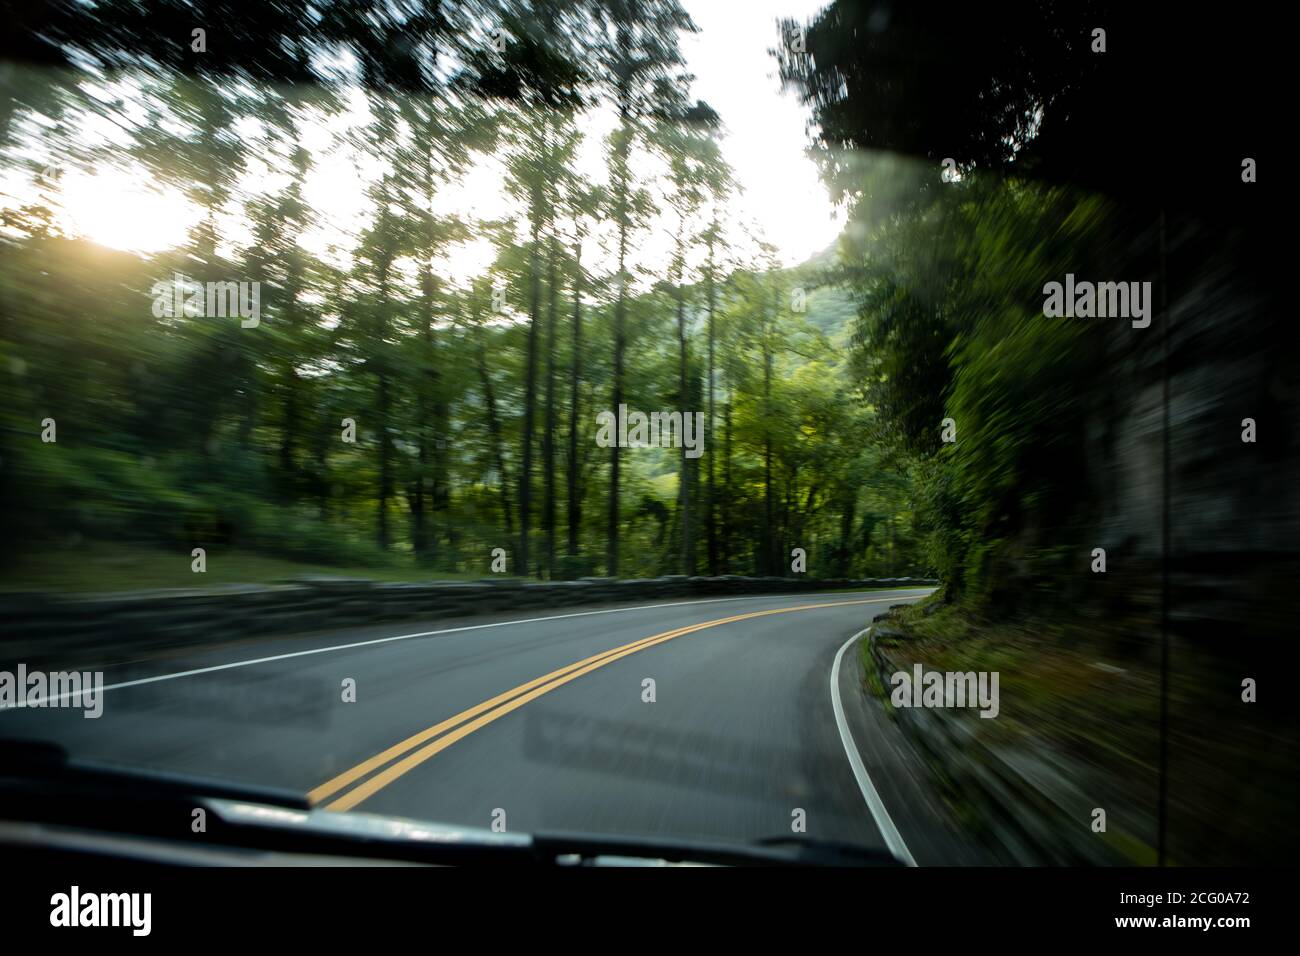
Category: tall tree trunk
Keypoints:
(548, 434)
(419, 498)
(575, 504)
(620, 309)
(684, 484)
(324, 431)
(767, 545)
(782, 549)
(292, 423)
(290, 477)
(380, 357)
(429, 488)
(530, 399)
(725, 562)
(494, 434)
(847, 510)
(440, 493)
(204, 242)
(385, 462)
(710, 515)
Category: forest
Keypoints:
(419, 386)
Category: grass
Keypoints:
(1052, 670)
(1080, 686)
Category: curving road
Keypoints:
(541, 717)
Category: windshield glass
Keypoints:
(778, 423)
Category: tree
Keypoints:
(641, 68)
(536, 73)
(694, 165)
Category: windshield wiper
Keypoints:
(769, 851)
(832, 852)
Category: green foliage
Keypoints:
(474, 418)
(951, 327)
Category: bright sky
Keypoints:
(766, 138)
(782, 199)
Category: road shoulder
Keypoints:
(898, 774)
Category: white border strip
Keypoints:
(893, 839)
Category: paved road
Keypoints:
(469, 718)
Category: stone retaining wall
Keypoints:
(33, 625)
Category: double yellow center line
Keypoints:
(435, 739)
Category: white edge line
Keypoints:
(893, 839)
(46, 701)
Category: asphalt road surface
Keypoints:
(538, 720)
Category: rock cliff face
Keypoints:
(1231, 353)
(1227, 367)
(1234, 534)
(1231, 356)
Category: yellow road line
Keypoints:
(505, 703)
(378, 760)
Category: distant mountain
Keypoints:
(822, 259)
(831, 308)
